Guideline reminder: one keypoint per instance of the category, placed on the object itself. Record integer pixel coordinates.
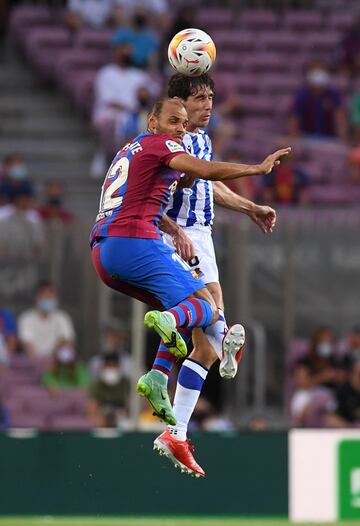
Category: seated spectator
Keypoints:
(352, 349)
(4, 417)
(286, 185)
(21, 232)
(120, 91)
(115, 341)
(93, 13)
(109, 394)
(326, 369)
(14, 180)
(354, 159)
(206, 418)
(349, 49)
(53, 208)
(347, 413)
(354, 117)
(66, 372)
(317, 110)
(7, 336)
(144, 43)
(304, 391)
(157, 10)
(44, 327)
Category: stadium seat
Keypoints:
(94, 39)
(258, 19)
(43, 47)
(71, 62)
(220, 18)
(304, 21)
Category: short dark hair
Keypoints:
(183, 87)
(45, 284)
(158, 106)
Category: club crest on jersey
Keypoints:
(174, 146)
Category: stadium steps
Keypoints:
(40, 123)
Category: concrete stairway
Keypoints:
(55, 140)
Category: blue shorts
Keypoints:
(137, 266)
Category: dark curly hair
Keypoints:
(182, 86)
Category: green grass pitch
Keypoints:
(143, 521)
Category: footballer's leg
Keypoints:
(229, 342)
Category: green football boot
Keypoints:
(153, 386)
(163, 323)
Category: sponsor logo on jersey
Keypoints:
(174, 146)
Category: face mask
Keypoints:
(318, 78)
(48, 305)
(139, 21)
(110, 375)
(324, 349)
(66, 355)
(18, 172)
(54, 201)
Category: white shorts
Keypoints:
(204, 250)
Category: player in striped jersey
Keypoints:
(193, 210)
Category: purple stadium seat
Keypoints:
(81, 90)
(340, 20)
(23, 419)
(322, 41)
(303, 20)
(25, 18)
(260, 105)
(229, 61)
(279, 41)
(322, 402)
(335, 194)
(43, 47)
(234, 39)
(94, 39)
(275, 84)
(258, 20)
(211, 18)
(264, 62)
(71, 423)
(71, 62)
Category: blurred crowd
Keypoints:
(42, 379)
(324, 380)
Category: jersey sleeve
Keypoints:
(165, 148)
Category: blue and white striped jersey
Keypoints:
(195, 205)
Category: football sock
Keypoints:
(164, 360)
(192, 313)
(216, 332)
(190, 381)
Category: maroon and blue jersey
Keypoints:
(137, 188)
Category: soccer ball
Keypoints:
(191, 52)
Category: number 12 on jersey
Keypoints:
(121, 170)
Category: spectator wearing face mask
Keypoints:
(53, 208)
(121, 91)
(44, 327)
(326, 369)
(115, 341)
(317, 110)
(109, 394)
(15, 179)
(144, 43)
(65, 372)
(351, 349)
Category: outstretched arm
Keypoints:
(263, 216)
(218, 171)
(183, 244)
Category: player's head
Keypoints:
(197, 94)
(168, 116)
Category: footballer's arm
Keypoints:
(263, 216)
(182, 243)
(218, 171)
